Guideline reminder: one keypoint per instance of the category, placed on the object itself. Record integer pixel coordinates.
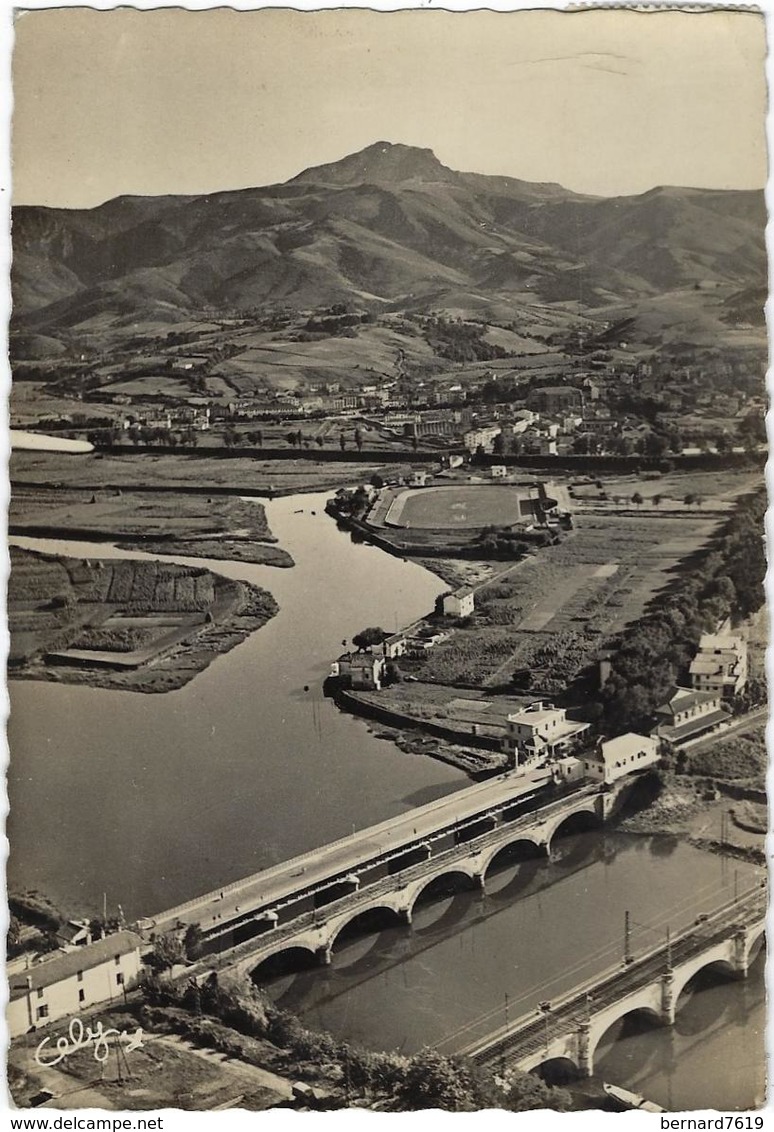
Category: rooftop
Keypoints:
(721, 642)
(683, 699)
(64, 966)
(624, 745)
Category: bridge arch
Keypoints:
(287, 959)
(371, 920)
(463, 882)
(718, 962)
(519, 847)
(599, 1031)
(556, 1069)
(580, 820)
(756, 941)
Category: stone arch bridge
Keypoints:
(313, 934)
(571, 1029)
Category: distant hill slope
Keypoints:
(390, 226)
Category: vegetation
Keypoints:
(725, 581)
(391, 1081)
(367, 638)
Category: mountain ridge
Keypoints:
(391, 222)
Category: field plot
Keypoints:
(128, 624)
(241, 474)
(553, 612)
(461, 507)
(164, 522)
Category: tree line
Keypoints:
(725, 582)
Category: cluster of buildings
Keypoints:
(196, 417)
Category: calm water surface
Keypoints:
(541, 929)
(154, 799)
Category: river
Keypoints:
(541, 929)
(152, 799)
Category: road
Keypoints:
(317, 867)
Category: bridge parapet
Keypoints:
(573, 1027)
(317, 929)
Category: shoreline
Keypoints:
(123, 624)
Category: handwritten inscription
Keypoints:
(81, 1037)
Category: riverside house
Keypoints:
(540, 731)
(720, 665)
(72, 982)
(688, 714)
(623, 755)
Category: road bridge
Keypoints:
(312, 880)
(311, 935)
(572, 1027)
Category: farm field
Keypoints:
(236, 474)
(103, 622)
(553, 612)
(717, 490)
(164, 522)
(456, 507)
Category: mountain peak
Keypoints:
(382, 163)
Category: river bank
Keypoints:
(167, 522)
(124, 625)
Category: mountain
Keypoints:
(390, 227)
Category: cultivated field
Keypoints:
(166, 522)
(103, 622)
(239, 474)
(460, 507)
(553, 612)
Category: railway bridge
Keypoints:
(311, 937)
(303, 905)
(572, 1027)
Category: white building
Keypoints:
(720, 665)
(540, 731)
(459, 603)
(73, 981)
(484, 438)
(361, 671)
(622, 755)
(498, 471)
(687, 714)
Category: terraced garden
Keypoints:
(142, 626)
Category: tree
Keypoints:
(358, 440)
(498, 445)
(377, 481)
(656, 500)
(366, 638)
(192, 941)
(292, 439)
(167, 951)
(637, 499)
(435, 1081)
(342, 441)
(319, 441)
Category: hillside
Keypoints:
(388, 228)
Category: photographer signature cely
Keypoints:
(80, 1036)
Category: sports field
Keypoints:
(462, 507)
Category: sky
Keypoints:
(172, 101)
